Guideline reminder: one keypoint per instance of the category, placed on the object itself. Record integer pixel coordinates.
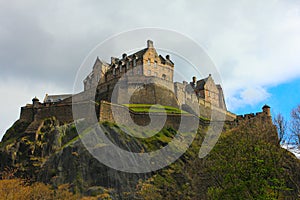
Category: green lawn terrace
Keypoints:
(156, 108)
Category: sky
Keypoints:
(255, 46)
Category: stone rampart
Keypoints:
(143, 119)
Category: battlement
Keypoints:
(62, 111)
(264, 115)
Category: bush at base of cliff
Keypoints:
(11, 189)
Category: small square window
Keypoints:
(149, 72)
(155, 73)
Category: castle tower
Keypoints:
(35, 102)
(266, 110)
(35, 105)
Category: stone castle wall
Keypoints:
(250, 116)
(143, 119)
(173, 120)
(27, 114)
(62, 112)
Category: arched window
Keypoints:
(164, 76)
(149, 63)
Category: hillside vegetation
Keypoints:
(246, 163)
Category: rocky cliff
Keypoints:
(242, 159)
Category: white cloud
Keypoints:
(249, 96)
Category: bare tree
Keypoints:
(295, 124)
(281, 125)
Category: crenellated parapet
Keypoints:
(265, 115)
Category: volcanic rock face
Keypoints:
(54, 154)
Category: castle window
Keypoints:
(164, 77)
(155, 73)
(127, 65)
(149, 72)
(114, 71)
(149, 62)
(138, 72)
(155, 64)
(120, 68)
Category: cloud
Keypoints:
(249, 96)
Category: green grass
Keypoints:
(204, 118)
(145, 108)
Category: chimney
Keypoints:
(113, 60)
(150, 44)
(194, 79)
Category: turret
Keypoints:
(35, 102)
(35, 105)
(266, 110)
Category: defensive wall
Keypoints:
(61, 111)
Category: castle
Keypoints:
(148, 77)
(146, 66)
